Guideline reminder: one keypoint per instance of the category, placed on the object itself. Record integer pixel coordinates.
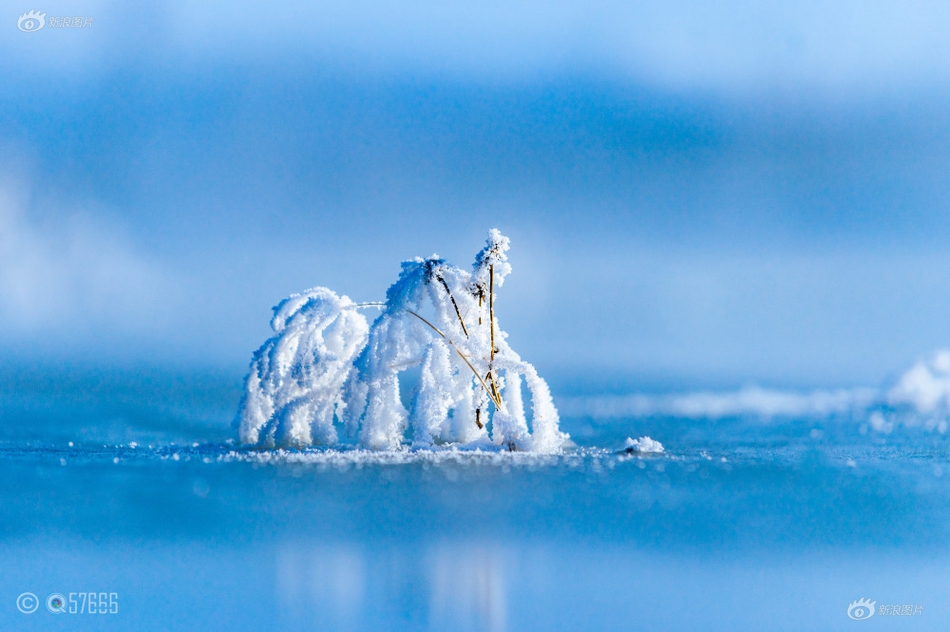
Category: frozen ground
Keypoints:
(744, 522)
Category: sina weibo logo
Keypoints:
(32, 21)
(861, 609)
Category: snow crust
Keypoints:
(326, 368)
(437, 456)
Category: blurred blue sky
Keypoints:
(697, 194)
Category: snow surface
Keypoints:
(325, 367)
(351, 538)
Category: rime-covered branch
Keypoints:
(326, 367)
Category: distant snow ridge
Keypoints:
(749, 401)
(325, 366)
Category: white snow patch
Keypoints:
(925, 386)
(644, 445)
(879, 423)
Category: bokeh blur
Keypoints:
(698, 195)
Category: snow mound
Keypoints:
(326, 368)
(925, 386)
(643, 445)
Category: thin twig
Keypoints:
(491, 307)
(494, 386)
(454, 304)
(491, 318)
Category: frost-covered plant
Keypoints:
(325, 363)
(295, 384)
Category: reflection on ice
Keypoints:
(467, 589)
(475, 585)
(461, 586)
(325, 584)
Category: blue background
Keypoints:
(698, 195)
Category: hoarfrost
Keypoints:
(294, 386)
(325, 367)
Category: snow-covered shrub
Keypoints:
(326, 366)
